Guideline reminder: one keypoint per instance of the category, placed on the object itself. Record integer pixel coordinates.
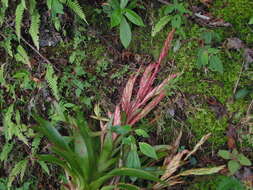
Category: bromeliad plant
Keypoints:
(88, 162)
(89, 158)
(96, 159)
(120, 13)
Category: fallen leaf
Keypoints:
(248, 55)
(234, 43)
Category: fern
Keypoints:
(52, 81)
(19, 17)
(6, 44)
(9, 126)
(22, 56)
(19, 169)
(34, 28)
(76, 8)
(6, 150)
(5, 4)
(2, 78)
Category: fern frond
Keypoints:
(32, 6)
(18, 19)
(76, 8)
(22, 56)
(34, 28)
(51, 79)
(19, 169)
(6, 44)
(9, 126)
(5, 4)
(5, 151)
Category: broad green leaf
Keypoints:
(216, 64)
(244, 160)
(56, 7)
(251, 20)
(141, 132)
(233, 166)
(148, 150)
(169, 9)
(207, 37)
(229, 183)
(224, 154)
(204, 58)
(160, 25)
(241, 93)
(114, 4)
(123, 3)
(133, 17)
(176, 21)
(122, 130)
(133, 160)
(125, 33)
(116, 17)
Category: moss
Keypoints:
(203, 121)
(238, 13)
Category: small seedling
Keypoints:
(208, 56)
(120, 13)
(236, 160)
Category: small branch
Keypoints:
(237, 82)
(164, 2)
(250, 107)
(35, 50)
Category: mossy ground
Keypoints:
(196, 81)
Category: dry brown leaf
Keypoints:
(202, 140)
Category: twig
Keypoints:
(164, 2)
(250, 107)
(237, 82)
(34, 49)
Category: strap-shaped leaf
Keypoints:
(121, 186)
(160, 25)
(131, 172)
(125, 33)
(46, 128)
(133, 17)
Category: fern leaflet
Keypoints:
(5, 4)
(19, 169)
(18, 19)
(22, 56)
(6, 150)
(34, 28)
(76, 8)
(52, 81)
